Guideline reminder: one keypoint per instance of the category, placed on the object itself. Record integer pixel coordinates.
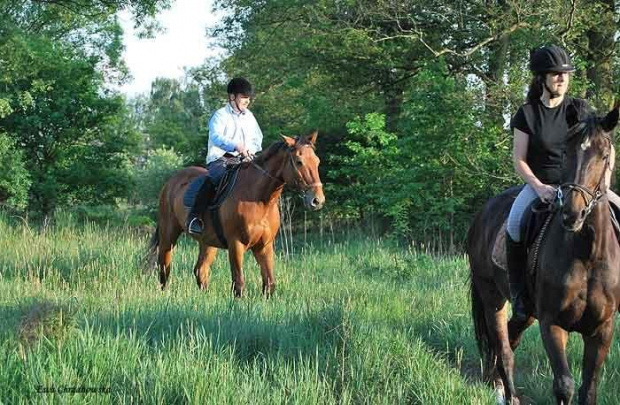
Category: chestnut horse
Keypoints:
(576, 284)
(250, 215)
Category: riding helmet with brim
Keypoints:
(550, 59)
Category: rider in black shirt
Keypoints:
(540, 136)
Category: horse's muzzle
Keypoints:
(314, 201)
(573, 222)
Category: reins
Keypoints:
(301, 184)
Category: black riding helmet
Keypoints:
(550, 59)
(240, 85)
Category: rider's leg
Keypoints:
(194, 222)
(516, 254)
(205, 195)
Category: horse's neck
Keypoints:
(267, 181)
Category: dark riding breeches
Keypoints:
(215, 171)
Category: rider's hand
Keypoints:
(242, 150)
(546, 193)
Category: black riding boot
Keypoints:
(516, 256)
(194, 223)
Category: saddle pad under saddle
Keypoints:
(532, 228)
(225, 185)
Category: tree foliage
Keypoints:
(412, 97)
(58, 59)
(151, 176)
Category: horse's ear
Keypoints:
(311, 139)
(288, 140)
(611, 119)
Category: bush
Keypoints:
(14, 177)
(150, 178)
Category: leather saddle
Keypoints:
(532, 223)
(225, 185)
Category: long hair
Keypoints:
(535, 92)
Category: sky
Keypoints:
(182, 44)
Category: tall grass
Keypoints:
(353, 322)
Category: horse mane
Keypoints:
(277, 147)
(272, 150)
(585, 127)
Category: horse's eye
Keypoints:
(299, 163)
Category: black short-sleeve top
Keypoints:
(547, 129)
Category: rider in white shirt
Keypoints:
(233, 131)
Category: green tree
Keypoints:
(151, 176)
(58, 59)
(174, 117)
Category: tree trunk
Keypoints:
(495, 102)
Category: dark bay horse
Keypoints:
(576, 285)
(250, 215)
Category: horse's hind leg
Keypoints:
(264, 258)
(595, 351)
(498, 326)
(203, 265)
(491, 326)
(167, 238)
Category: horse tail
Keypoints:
(487, 350)
(152, 251)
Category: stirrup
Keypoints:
(195, 226)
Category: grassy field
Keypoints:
(361, 321)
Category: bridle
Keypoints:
(590, 197)
(300, 183)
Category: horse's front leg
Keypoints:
(595, 351)
(554, 338)
(264, 258)
(236, 250)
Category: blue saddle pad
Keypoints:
(192, 191)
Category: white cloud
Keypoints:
(183, 44)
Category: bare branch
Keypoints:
(569, 24)
(475, 48)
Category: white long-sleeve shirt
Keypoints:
(227, 128)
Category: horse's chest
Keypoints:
(259, 229)
(584, 303)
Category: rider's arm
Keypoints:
(519, 156)
(217, 132)
(257, 138)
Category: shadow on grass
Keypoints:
(246, 332)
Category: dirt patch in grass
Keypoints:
(46, 319)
